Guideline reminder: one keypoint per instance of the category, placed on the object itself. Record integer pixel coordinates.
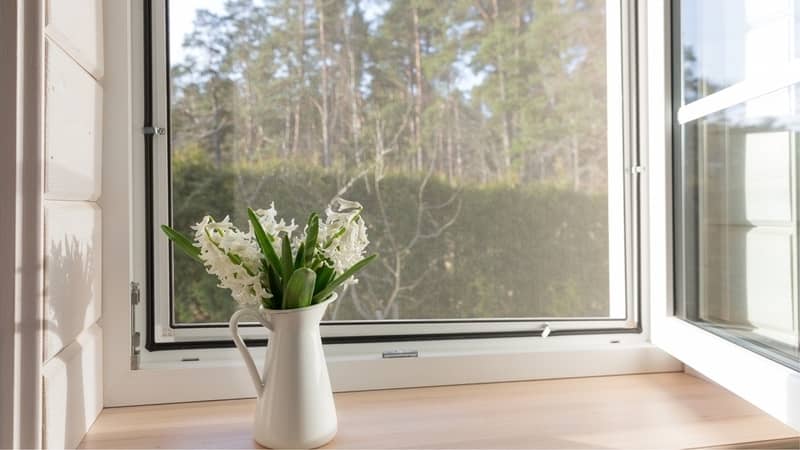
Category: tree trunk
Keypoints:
(418, 88)
(287, 133)
(436, 157)
(506, 115)
(323, 52)
(218, 131)
(450, 154)
(301, 74)
(576, 164)
(541, 166)
(459, 157)
(519, 82)
(355, 118)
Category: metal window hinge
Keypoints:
(136, 338)
(136, 296)
(154, 131)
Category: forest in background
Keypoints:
(473, 131)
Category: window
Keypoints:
(490, 143)
(736, 167)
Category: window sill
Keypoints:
(668, 410)
(360, 367)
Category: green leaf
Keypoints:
(275, 288)
(264, 278)
(287, 262)
(324, 275)
(300, 289)
(182, 242)
(335, 236)
(299, 259)
(264, 241)
(312, 233)
(325, 292)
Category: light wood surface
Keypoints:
(670, 410)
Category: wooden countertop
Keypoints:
(669, 410)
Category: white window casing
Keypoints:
(217, 373)
(623, 307)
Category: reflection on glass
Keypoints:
(739, 223)
(727, 41)
(474, 133)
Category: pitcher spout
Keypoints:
(310, 316)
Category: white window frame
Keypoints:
(623, 309)
(352, 366)
(765, 383)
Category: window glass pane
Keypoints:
(736, 222)
(474, 133)
(726, 41)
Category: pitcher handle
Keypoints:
(242, 347)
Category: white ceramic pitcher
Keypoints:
(295, 406)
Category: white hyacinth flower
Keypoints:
(274, 227)
(236, 259)
(343, 235)
(233, 257)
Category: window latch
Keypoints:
(151, 131)
(637, 170)
(546, 330)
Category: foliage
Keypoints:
(479, 90)
(514, 252)
(473, 132)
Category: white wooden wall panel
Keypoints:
(73, 391)
(77, 26)
(72, 271)
(73, 126)
(73, 117)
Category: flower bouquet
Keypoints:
(285, 282)
(269, 265)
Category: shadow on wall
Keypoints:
(69, 287)
(70, 405)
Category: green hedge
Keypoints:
(512, 251)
